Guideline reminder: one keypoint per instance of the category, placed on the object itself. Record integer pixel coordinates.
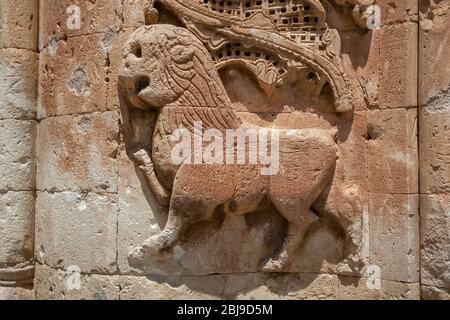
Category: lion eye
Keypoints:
(136, 49)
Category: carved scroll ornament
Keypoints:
(172, 71)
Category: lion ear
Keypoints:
(182, 54)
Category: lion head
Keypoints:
(160, 62)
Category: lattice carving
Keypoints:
(294, 32)
(297, 19)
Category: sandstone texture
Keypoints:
(356, 113)
(434, 73)
(18, 132)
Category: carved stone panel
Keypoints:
(227, 149)
(277, 66)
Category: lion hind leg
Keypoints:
(299, 220)
(294, 236)
(344, 207)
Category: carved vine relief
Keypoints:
(171, 68)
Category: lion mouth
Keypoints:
(136, 92)
(141, 84)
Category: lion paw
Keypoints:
(142, 157)
(136, 256)
(273, 266)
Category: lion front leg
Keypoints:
(145, 163)
(155, 246)
(183, 213)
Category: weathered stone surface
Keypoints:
(434, 50)
(136, 206)
(232, 245)
(17, 163)
(59, 19)
(133, 13)
(398, 11)
(434, 72)
(78, 153)
(353, 162)
(290, 287)
(73, 75)
(393, 238)
(435, 243)
(113, 205)
(176, 288)
(16, 225)
(354, 289)
(433, 293)
(392, 146)
(115, 57)
(242, 287)
(18, 94)
(385, 61)
(77, 230)
(19, 24)
(18, 84)
(398, 66)
(435, 146)
(17, 293)
(262, 287)
(57, 284)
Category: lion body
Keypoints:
(182, 85)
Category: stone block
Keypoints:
(18, 84)
(255, 286)
(73, 76)
(393, 155)
(21, 294)
(17, 155)
(17, 229)
(435, 146)
(398, 11)
(393, 237)
(77, 230)
(19, 24)
(435, 241)
(61, 19)
(56, 284)
(78, 153)
(434, 50)
(398, 66)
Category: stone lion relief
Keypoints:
(171, 69)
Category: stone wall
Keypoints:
(18, 96)
(93, 206)
(434, 72)
(89, 205)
